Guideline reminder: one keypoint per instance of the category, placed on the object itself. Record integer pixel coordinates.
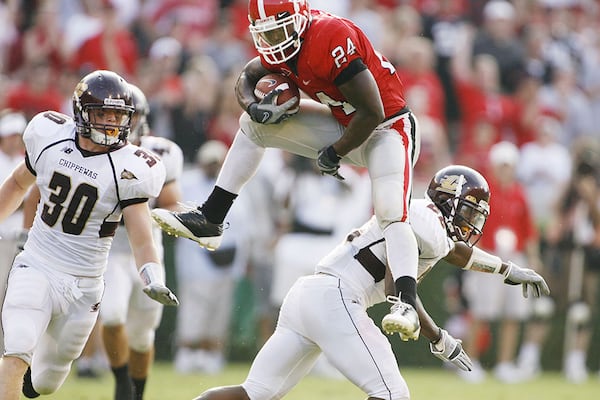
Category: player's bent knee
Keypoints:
(141, 328)
(142, 342)
(50, 380)
(112, 316)
(394, 389)
(21, 339)
(227, 392)
(256, 391)
(399, 394)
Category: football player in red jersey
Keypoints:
(356, 115)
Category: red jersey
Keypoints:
(509, 210)
(330, 44)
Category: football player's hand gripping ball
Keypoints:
(516, 275)
(329, 162)
(268, 112)
(449, 349)
(151, 274)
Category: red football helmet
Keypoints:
(277, 26)
(462, 195)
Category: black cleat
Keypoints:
(28, 390)
(191, 224)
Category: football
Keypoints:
(289, 89)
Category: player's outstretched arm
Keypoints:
(138, 223)
(475, 259)
(442, 344)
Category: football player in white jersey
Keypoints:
(129, 319)
(326, 312)
(88, 177)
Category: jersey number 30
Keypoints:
(79, 207)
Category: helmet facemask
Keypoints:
(278, 40)
(105, 134)
(465, 220)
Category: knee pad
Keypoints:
(112, 319)
(142, 343)
(141, 328)
(113, 312)
(543, 308)
(579, 314)
(21, 339)
(50, 380)
(257, 391)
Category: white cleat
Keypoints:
(403, 319)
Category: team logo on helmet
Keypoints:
(81, 88)
(451, 184)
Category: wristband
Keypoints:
(151, 273)
(484, 262)
(506, 271)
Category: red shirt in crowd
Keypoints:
(509, 210)
(92, 55)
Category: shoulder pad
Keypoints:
(169, 152)
(46, 128)
(140, 172)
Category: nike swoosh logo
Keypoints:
(305, 82)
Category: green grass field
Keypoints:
(425, 384)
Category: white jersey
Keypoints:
(360, 261)
(82, 194)
(169, 152)
(172, 158)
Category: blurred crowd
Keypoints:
(510, 88)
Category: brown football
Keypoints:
(289, 89)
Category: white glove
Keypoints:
(449, 349)
(267, 111)
(516, 275)
(152, 276)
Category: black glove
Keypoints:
(329, 162)
(267, 111)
